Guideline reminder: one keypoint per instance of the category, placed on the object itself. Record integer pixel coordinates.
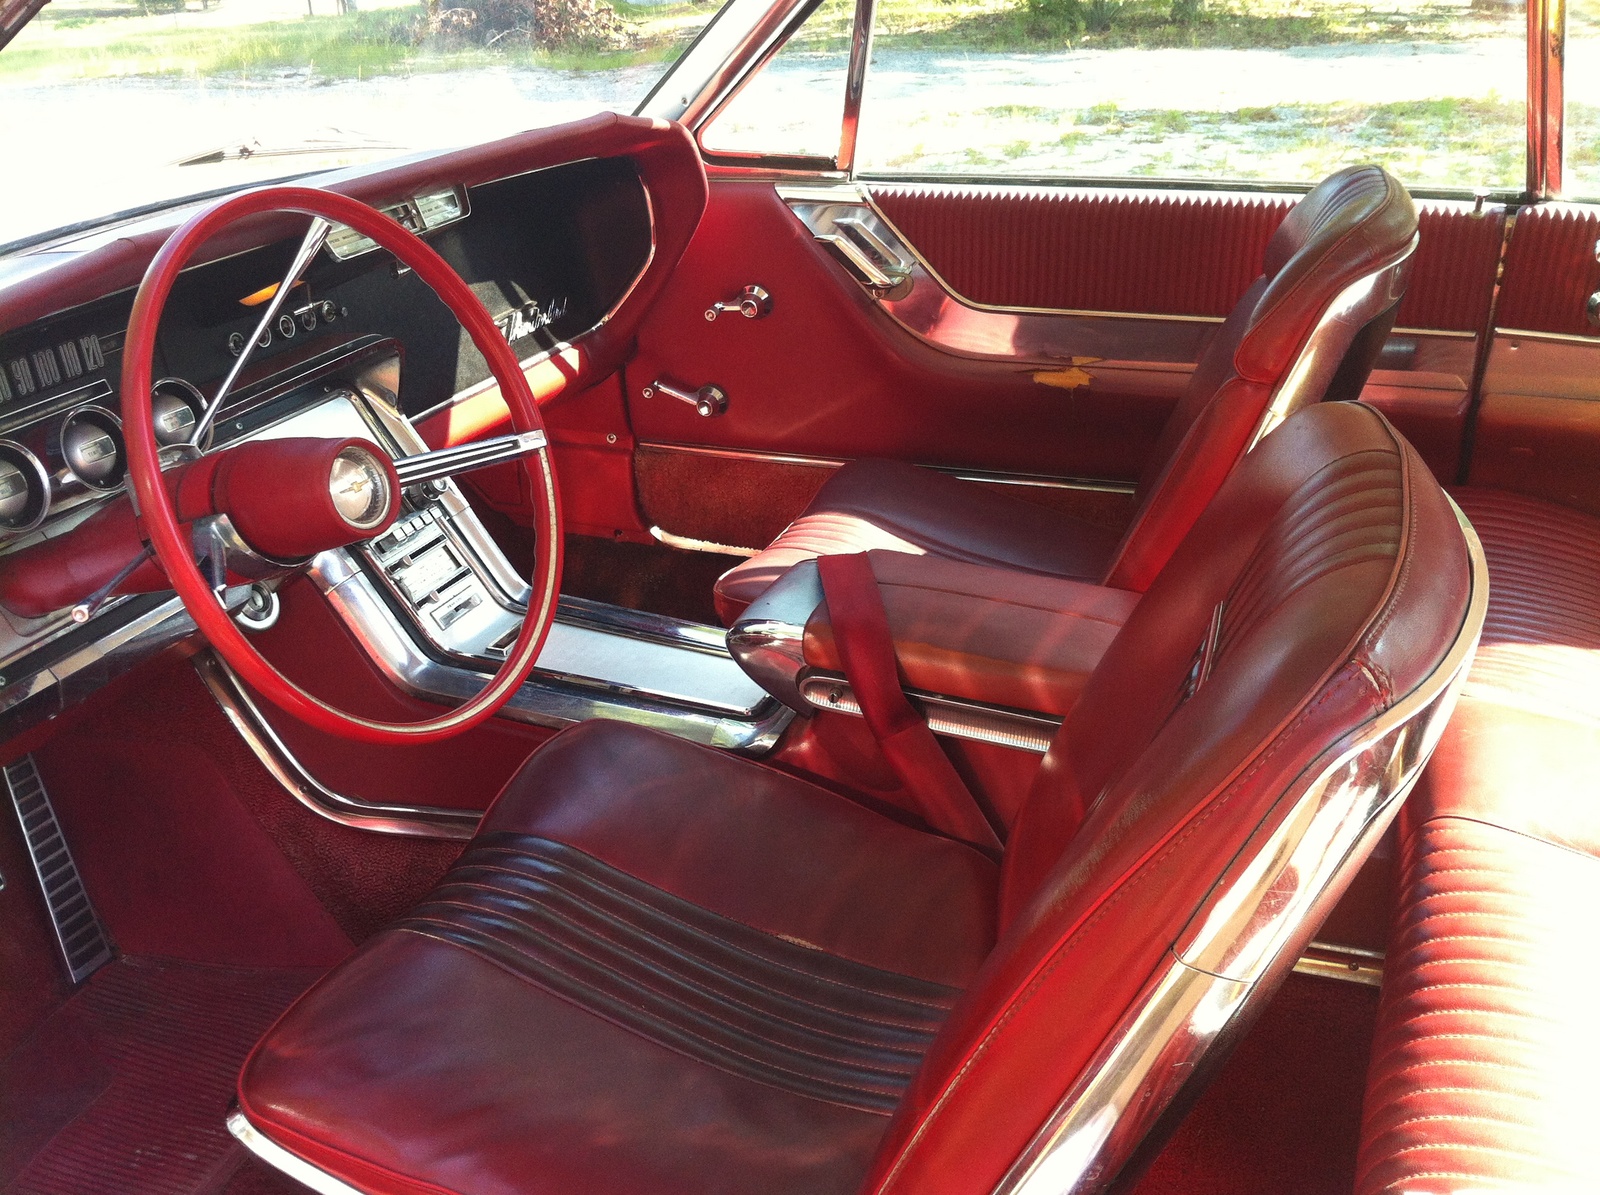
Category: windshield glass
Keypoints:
(115, 104)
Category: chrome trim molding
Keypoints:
(1350, 964)
(768, 641)
(1336, 329)
(282, 1160)
(1249, 929)
(1020, 730)
(912, 293)
(1041, 481)
(549, 697)
(416, 821)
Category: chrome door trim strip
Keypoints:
(987, 476)
(855, 82)
(854, 193)
(1249, 929)
(910, 292)
(280, 1159)
(413, 821)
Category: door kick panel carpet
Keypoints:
(125, 1087)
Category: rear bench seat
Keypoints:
(1485, 1071)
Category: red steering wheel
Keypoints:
(163, 507)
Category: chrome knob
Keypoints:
(752, 302)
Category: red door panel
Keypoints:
(1538, 427)
(827, 374)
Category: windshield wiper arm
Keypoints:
(336, 141)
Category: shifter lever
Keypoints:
(707, 401)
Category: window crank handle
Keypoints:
(752, 302)
(707, 401)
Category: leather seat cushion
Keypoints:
(657, 968)
(883, 505)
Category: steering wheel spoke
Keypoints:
(424, 467)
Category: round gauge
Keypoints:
(360, 488)
(175, 407)
(24, 488)
(91, 444)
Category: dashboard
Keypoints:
(550, 253)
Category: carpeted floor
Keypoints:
(125, 1087)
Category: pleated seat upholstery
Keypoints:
(663, 968)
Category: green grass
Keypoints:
(1458, 143)
(359, 45)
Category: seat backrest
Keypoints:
(1189, 824)
(1309, 327)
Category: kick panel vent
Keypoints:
(83, 942)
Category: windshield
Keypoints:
(116, 104)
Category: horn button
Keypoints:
(359, 487)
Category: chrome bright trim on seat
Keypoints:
(1021, 730)
(768, 641)
(1350, 964)
(1250, 929)
(1351, 310)
(415, 821)
(282, 1160)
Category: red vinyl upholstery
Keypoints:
(1351, 224)
(663, 969)
(1483, 1068)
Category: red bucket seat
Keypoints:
(1309, 327)
(661, 968)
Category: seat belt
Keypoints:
(866, 649)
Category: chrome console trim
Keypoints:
(417, 821)
(1021, 730)
(557, 694)
(1250, 929)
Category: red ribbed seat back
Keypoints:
(1326, 581)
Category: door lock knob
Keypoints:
(752, 302)
(707, 401)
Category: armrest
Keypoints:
(988, 635)
(977, 636)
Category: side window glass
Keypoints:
(1581, 178)
(794, 105)
(1249, 90)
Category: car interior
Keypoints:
(591, 662)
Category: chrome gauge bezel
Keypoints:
(102, 487)
(40, 475)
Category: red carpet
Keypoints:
(125, 1087)
(1284, 1115)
